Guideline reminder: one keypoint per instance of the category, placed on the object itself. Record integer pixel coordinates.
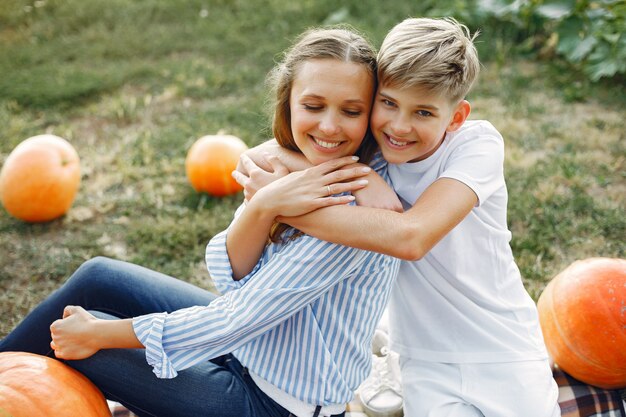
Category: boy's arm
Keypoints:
(268, 161)
(409, 235)
(293, 161)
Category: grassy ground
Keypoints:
(133, 84)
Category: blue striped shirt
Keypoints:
(302, 320)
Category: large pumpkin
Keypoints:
(33, 385)
(583, 318)
(210, 162)
(40, 178)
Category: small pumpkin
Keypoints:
(34, 385)
(582, 312)
(210, 162)
(40, 178)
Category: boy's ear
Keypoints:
(460, 114)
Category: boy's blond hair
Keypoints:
(435, 54)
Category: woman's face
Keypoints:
(330, 104)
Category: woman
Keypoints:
(296, 338)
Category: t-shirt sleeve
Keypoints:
(478, 162)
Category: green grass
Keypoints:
(133, 84)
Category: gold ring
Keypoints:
(328, 188)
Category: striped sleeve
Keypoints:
(294, 277)
(218, 261)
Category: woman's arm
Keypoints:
(409, 235)
(291, 280)
(298, 274)
(79, 334)
(290, 195)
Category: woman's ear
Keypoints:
(460, 114)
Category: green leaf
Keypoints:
(556, 9)
(338, 16)
(569, 31)
(611, 38)
(582, 49)
(599, 14)
(603, 69)
(498, 8)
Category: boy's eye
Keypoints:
(388, 103)
(424, 113)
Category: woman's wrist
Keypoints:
(114, 334)
(262, 208)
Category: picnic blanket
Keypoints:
(576, 399)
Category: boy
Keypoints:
(466, 330)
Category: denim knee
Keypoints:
(91, 272)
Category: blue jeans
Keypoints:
(114, 289)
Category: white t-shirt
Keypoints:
(464, 301)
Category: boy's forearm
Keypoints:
(366, 228)
(408, 235)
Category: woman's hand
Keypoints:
(74, 336)
(301, 192)
(318, 182)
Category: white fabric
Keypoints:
(464, 301)
(291, 403)
(516, 389)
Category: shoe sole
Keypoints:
(374, 413)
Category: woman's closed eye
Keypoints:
(353, 113)
(312, 107)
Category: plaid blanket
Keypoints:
(576, 399)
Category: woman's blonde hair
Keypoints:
(435, 54)
(340, 43)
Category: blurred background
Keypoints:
(133, 83)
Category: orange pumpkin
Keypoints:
(40, 178)
(583, 318)
(34, 385)
(210, 162)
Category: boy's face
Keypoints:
(410, 124)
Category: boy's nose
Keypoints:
(400, 127)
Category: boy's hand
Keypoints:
(257, 177)
(378, 194)
(73, 336)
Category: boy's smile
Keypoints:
(410, 125)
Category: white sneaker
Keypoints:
(381, 392)
(380, 340)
